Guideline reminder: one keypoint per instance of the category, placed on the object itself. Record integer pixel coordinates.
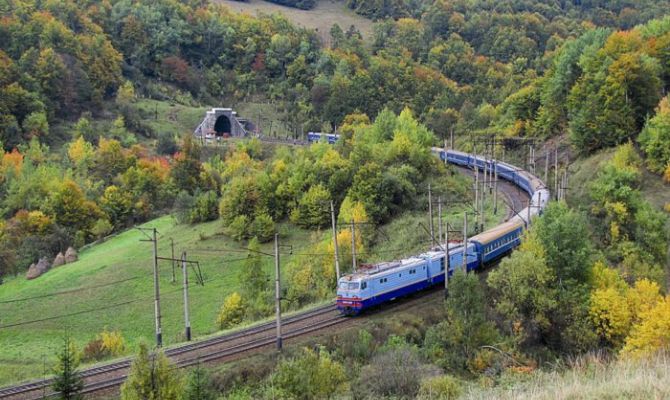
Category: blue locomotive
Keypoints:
(375, 284)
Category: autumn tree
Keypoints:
(152, 377)
(311, 374)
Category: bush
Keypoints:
(94, 350)
(238, 228)
(182, 206)
(106, 344)
(311, 375)
(102, 228)
(442, 387)
(166, 144)
(205, 208)
(232, 311)
(263, 227)
(396, 372)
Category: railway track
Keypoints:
(233, 345)
(213, 349)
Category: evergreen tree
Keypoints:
(67, 381)
(253, 279)
(199, 385)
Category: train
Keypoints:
(372, 285)
(331, 138)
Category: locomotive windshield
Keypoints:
(349, 285)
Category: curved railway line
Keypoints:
(108, 378)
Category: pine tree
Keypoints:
(67, 380)
(198, 386)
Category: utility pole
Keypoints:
(528, 213)
(439, 218)
(495, 187)
(546, 168)
(187, 321)
(451, 134)
(556, 173)
(465, 241)
(446, 259)
(430, 214)
(353, 245)
(277, 293)
(157, 297)
(337, 255)
(172, 247)
(476, 189)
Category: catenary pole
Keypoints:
(353, 245)
(439, 218)
(173, 262)
(277, 293)
(157, 295)
(430, 214)
(187, 320)
(465, 241)
(337, 252)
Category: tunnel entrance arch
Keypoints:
(222, 126)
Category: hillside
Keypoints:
(320, 18)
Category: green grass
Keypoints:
(321, 18)
(170, 117)
(24, 348)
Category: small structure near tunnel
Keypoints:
(221, 123)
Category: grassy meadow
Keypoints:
(321, 18)
(128, 262)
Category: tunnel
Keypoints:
(222, 126)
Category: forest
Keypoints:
(79, 163)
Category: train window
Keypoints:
(442, 264)
(364, 285)
(353, 286)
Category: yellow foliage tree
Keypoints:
(232, 311)
(112, 342)
(126, 93)
(80, 152)
(652, 333)
(643, 297)
(611, 314)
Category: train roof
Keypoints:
(369, 270)
(496, 232)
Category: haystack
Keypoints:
(71, 255)
(58, 261)
(38, 269)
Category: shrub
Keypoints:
(94, 350)
(106, 344)
(396, 372)
(263, 227)
(311, 375)
(166, 144)
(205, 208)
(112, 342)
(102, 228)
(182, 206)
(232, 311)
(238, 228)
(442, 387)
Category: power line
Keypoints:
(81, 289)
